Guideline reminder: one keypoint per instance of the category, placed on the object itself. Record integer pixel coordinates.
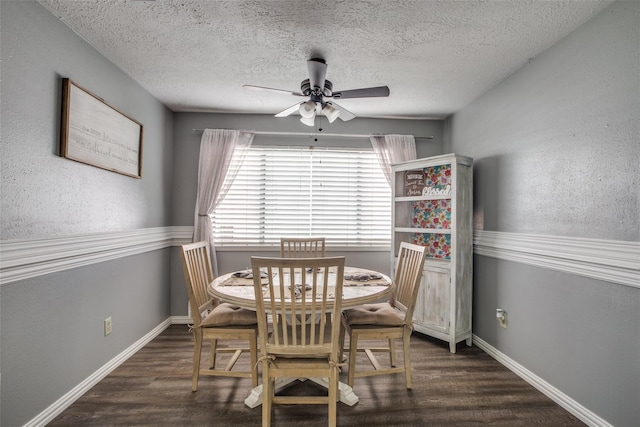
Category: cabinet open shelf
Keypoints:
(414, 198)
(422, 230)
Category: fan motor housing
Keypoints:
(328, 88)
(305, 88)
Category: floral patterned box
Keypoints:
(437, 177)
(431, 214)
(438, 245)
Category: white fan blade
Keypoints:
(270, 89)
(344, 113)
(368, 92)
(289, 110)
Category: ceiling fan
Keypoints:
(319, 90)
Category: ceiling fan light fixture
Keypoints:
(331, 113)
(308, 110)
(317, 88)
(309, 121)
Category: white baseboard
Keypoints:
(181, 320)
(579, 411)
(74, 394)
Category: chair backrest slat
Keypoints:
(409, 266)
(297, 294)
(302, 247)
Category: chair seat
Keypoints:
(226, 314)
(306, 350)
(381, 314)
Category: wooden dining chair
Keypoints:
(302, 342)
(388, 320)
(302, 247)
(216, 321)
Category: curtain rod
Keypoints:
(333, 135)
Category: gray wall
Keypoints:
(557, 152)
(52, 326)
(556, 149)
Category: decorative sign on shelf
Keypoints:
(434, 191)
(95, 133)
(413, 182)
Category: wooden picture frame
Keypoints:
(413, 182)
(95, 133)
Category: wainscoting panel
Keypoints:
(65, 401)
(611, 261)
(579, 411)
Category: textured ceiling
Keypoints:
(435, 56)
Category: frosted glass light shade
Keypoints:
(308, 109)
(331, 113)
(309, 121)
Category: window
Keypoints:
(299, 192)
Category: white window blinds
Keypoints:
(298, 192)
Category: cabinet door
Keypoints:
(435, 304)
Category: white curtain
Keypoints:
(215, 176)
(393, 149)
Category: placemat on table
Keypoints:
(243, 278)
(364, 279)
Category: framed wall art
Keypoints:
(95, 133)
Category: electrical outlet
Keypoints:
(501, 317)
(107, 326)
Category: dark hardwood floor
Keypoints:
(469, 388)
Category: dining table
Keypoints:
(360, 286)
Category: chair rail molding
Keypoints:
(608, 260)
(24, 259)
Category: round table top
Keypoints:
(236, 288)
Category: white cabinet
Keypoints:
(432, 307)
(432, 206)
